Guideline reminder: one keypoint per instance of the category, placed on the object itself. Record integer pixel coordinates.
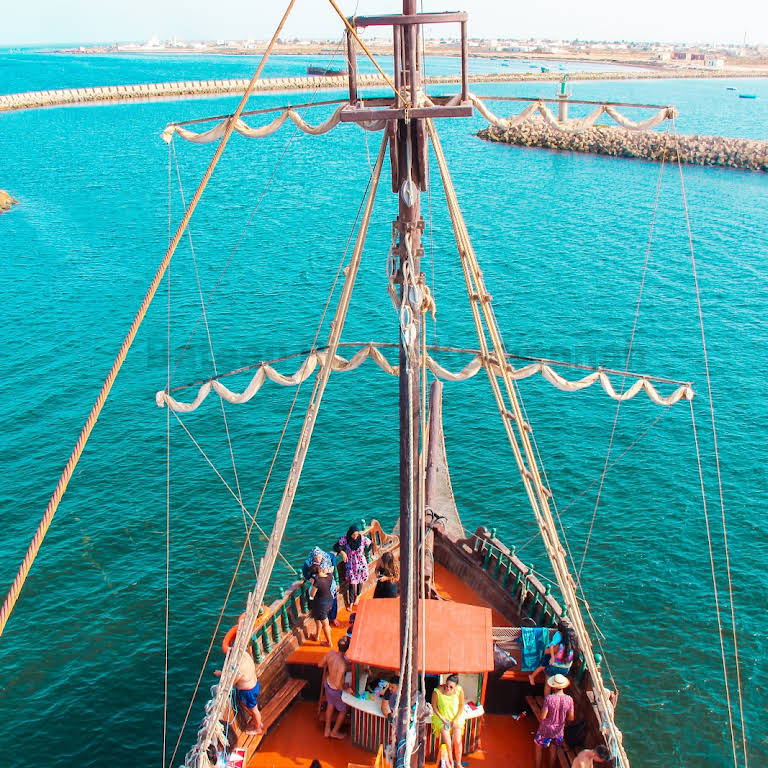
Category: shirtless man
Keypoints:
(248, 692)
(588, 757)
(335, 666)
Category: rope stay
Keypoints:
(339, 363)
(211, 730)
(101, 398)
(518, 429)
(572, 126)
(721, 497)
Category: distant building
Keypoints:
(714, 63)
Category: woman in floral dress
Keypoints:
(352, 550)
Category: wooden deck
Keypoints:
(298, 740)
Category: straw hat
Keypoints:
(558, 681)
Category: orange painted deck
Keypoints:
(298, 740)
(451, 587)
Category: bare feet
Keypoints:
(336, 623)
(327, 733)
(256, 732)
(335, 735)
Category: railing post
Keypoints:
(497, 569)
(257, 649)
(507, 574)
(266, 638)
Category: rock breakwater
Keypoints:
(744, 154)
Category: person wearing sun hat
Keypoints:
(555, 713)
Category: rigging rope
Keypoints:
(210, 729)
(719, 486)
(571, 127)
(66, 475)
(340, 363)
(509, 409)
(626, 362)
(167, 478)
(213, 362)
(265, 485)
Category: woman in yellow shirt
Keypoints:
(448, 716)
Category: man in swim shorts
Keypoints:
(248, 688)
(335, 665)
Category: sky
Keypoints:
(47, 22)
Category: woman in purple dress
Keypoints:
(352, 550)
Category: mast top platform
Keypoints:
(407, 57)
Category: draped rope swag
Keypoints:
(570, 126)
(339, 363)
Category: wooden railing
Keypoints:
(285, 614)
(533, 599)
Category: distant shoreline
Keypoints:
(449, 51)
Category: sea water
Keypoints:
(563, 240)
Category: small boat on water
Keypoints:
(729, 88)
(747, 95)
(326, 71)
(545, 69)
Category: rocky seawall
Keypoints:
(6, 201)
(198, 88)
(744, 154)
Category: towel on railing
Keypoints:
(534, 644)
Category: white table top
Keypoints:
(373, 706)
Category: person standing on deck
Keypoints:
(248, 687)
(327, 560)
(321, 598)
(334, 665)
(448, 717)
(557, 710)
(352, 550)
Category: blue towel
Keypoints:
(534, 645)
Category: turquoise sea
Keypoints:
(562, 239)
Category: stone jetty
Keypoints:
(193, 88)
(745, 154)
(6, 201)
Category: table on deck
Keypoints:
(370, 728)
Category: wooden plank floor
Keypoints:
(451, 587)
(298, 740)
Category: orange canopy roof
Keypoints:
(459, 637)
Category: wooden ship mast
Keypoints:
(409, 157)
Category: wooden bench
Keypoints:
(270, 713)
(565, 755)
